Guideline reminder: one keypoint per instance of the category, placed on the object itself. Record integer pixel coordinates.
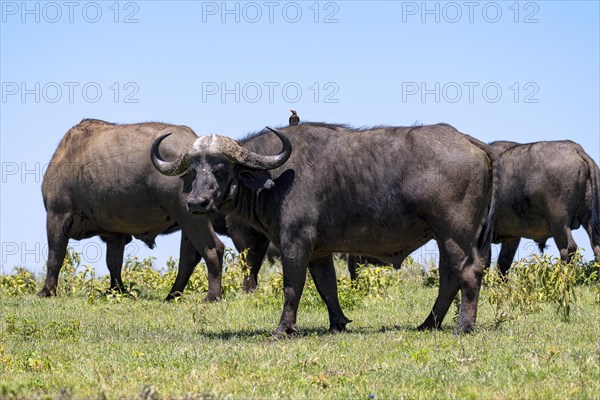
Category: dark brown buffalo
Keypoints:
(100, 181)
(546, 189)
(382, 192)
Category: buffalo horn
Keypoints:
(170, 168)
(232, 149)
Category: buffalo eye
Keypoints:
(220, 172)
(190, 172)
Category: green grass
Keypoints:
(87, 343)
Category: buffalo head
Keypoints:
(215, 165)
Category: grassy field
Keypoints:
(538, 337)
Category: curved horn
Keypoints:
(257, 161)
(169, 168)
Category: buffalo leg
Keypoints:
(57, 249)
(198, 237)
(294, 278)
(254, 259)
(352, 265)
(256, 243)
(213, 255)
(323, 273)
(115, 247)
(470, 285)
(564, 241)
(594, 239)
(507, 255)
(294, 260)
(460, 268)
(447, 290)
(487, 262)
(189, 257)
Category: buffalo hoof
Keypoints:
(211, 298)
(431, 323)
(427, 327)
(339, 326)
(337, 329)
(172, 296)
(250, 289)
(250, 285)
(284, 330)
(462, 329)
(120, 289)
(45, 292)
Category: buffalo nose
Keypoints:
(199, 203)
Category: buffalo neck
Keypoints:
(249, 205)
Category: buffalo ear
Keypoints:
(256, 179)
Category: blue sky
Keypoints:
(523, 71)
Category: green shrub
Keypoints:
(374, 282)
(235, 272)
(19, 283)
(588, 273)
(531, 282)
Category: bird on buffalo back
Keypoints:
(294, 118)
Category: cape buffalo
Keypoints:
(546, 189)
(382, 192)
(100, 182)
